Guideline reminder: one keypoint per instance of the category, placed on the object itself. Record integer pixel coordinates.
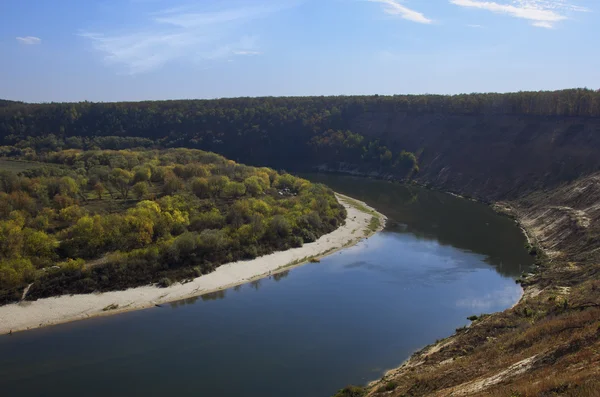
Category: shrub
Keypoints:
(307, 236)
(279, 226)
(164, 282)
(296, 241)
(389, 386)
(351, 391)
(140, 189)
(250, 252)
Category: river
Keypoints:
(303, 333)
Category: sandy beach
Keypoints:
(44, 312)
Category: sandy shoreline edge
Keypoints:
(62, 309)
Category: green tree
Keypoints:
(254, 185)
(68, 186)
(140, 190)
(99, 189)
(233, 190)
(172, 184)
(200, 187)
(121, 179)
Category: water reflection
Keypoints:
(255, 284)
(188, 301)
(482, 304)
(281, 275)
(442, 218)
(211, 296)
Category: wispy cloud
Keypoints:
(543, 24)
(197, 19)
(541, 13)
(247, 52)
(393, 7)
(182, 33)
(475, 26)
(29, 40)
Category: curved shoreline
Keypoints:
(417, 357)
(62, 309)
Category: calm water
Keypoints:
(304, 333)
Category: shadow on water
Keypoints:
(301, 333)
(441, 217)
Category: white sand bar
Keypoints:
(49, 311)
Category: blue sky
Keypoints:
(108, 50)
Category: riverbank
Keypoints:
(545, 344)
(361, 222)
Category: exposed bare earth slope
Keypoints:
(490, 156)
(549, 343)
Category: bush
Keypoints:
(164, 282)
(307, 236)
(279, 226)
(296, 241)
(387, 387)
(351, 391)
(250, 252)
(197, 271)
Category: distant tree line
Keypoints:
(289, 132)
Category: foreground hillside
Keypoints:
(78, 222)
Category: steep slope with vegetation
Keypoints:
(82, 221)
(535, 151)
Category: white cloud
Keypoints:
(192, 19)
(29, 40)
(541, 13)
(182, 34)
(542, 24)
(393, 7)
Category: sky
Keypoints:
(115, 50)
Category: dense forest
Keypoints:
(76, 221)
(289, 133)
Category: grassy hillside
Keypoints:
(78, 222)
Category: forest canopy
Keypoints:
(75, 221)
(294, 133)
(290, 133)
